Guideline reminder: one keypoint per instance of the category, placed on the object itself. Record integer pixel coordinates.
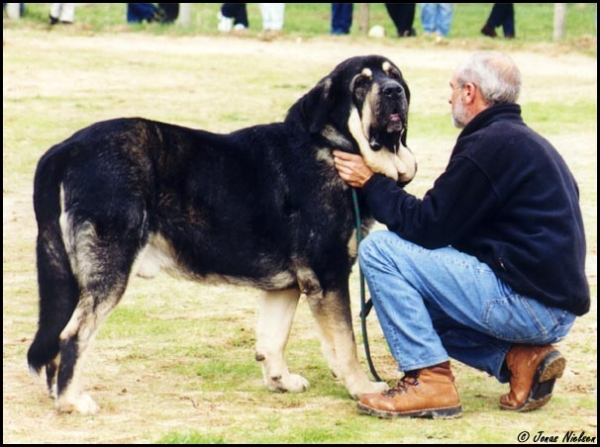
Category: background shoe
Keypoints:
(487, 30)
(225, 23)
(408, 33)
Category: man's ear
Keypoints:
(469, 90)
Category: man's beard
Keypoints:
(460, 117)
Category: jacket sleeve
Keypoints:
(451, 209)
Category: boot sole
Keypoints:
(435, 413)
(549, 369)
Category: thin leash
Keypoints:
(365, 306)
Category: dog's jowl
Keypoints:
(262, 206)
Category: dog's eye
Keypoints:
(394, 75)
(360, 81)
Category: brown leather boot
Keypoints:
(425, 393)
(533, 371)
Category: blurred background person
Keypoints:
(272, 16)
(502, 14)
(341, 18)
(169, 12)
(62, 13)
(436, 18)
(139, 12)
(233, 16)
(403, 16)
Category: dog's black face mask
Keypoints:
(362, 107)
(381, 97)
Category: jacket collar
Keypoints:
(494, 113)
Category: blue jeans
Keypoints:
(341, 18)
(138, 12)
(436, 304)
(437, 17)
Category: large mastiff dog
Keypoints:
(262, 206)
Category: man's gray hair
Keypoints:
(494, 73)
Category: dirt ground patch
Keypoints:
(28, 415)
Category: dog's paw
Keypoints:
(369, 388)
(53, 391)
(83, 404)
(291, 383)
(379, 387)
(297, 383)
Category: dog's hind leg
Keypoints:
(331, 310)
(101, 261)
(59, 293)
(75, 341)
(276, 313)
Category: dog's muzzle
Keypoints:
(390, 116)
(394, 106)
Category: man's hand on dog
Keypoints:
(352, 168)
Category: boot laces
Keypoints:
(410, 379)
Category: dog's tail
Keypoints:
(58, 288)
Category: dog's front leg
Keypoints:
(332, 313)
(276, 312)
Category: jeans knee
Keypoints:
(377, 247)
(369, 245)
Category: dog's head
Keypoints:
(362, 107)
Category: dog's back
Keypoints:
(205, 204)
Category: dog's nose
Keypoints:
(392, 90)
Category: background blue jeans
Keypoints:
(341, 18)
(138, 12)
(437, 17)
(435, 304)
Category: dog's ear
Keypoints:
(315, 107)
(403, 136)
(405, 130)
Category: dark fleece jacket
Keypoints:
(506, 197)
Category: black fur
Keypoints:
(262, 206)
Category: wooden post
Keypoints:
(560, 20)
(363, 18)
(185, 14)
